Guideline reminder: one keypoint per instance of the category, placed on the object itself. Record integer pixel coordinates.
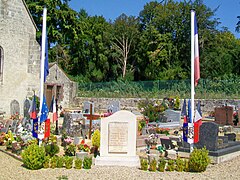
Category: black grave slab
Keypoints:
(208, 136)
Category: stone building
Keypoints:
(20, 61)
(19, 56)
(59, 85)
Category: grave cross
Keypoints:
(91, 117)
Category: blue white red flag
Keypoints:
(197, 122)
(33, 108)
(185, 121)
(196, 53)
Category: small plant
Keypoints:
(161, 165)
(63, 177)
(96, 138)
(68, 162)
(78, 163)
(141, 124)
(180, 164)
(70, 150)
(54, 162)
(199, 160)
(171, 165)
(46, 163)
(60, 161)
(51, 149)
(33, 156)
(144, 164)
(87, 162)
(153, 165)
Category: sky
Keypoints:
(111, 9)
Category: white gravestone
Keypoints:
(118, 140)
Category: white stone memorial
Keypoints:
(118, 140)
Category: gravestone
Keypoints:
(172, 119)
(114, 106)
(14, 107)
(14, 126)
(118, 140)
(86, 107)
(224, 115)
(72, 124)
(26, 108)
(208, 136)
(7, 126)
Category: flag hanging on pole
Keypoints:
(196, 53)
(35, 128)
(197, 122)
(44, 111)
(190, 135)
(53, 109)
(47, 128)
(33, 108)
(185, 121)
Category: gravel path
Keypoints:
(13, 169)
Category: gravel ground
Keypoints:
(13, 169)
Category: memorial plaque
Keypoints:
(118, 137)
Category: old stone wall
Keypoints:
(101, 104)
(21, 54)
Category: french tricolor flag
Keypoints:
(196, 53)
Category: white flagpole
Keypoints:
(41, 135)
(192, 73)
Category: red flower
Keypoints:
(82, 142)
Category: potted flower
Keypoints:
(151, 141)
(83, 147)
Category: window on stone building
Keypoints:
(1, 64)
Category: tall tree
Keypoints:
(125, 32)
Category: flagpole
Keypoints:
(192, 74)
(41, 135)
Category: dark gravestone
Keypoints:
(208, 136)
(224, 115)
(26, 108)
(14, 107)
(231, 136)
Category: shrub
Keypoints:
(68, 162)
(46, 163)
(171, 165)
(96, 138)
(161, 165)
(51, 149)
(87, 162)
(186, 165)
(199, 160)
(153, 165)
(144, 164)
(180, 164)
(54, 162)
(78, 163)
(60, 161)
(33, 156)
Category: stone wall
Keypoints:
(21, 54)
(101, 104)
